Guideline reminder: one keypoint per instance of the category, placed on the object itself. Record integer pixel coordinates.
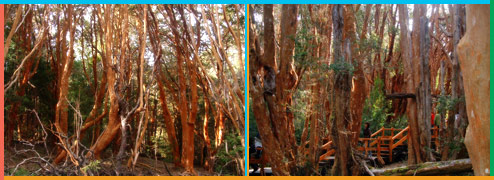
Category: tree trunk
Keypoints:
(113, 119)
(340, 132)
(187, 114)
(359, 90)
(259, 87)
(61, 111)
(406, 48)
(474, 57)
(424, 101)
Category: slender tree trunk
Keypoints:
(113, 119)
(187, 114)
(61, 111)
(406, 48)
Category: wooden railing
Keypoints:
(382, 143)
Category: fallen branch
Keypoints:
(367, 168)
(428, 168)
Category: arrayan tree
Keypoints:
(317, 72)
(137, 79)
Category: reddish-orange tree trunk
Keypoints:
(61, 111)
(344, 164)
(113, 119)
(474, 57)
(263, 87)
(358, 92)
(187, 114)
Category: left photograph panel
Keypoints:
(114, 90)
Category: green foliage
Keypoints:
(225, 158)
(376, 107)
(400, 122)
(93, 166)
(38, 90)
(370, 44)
(163, 147)
(18, 172)
(447, 103)
(253, 131)
(455, 146)
(304, 43)
(299, 111)
(341, 66)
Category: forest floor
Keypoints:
(145, 166)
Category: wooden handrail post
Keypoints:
(378, 147)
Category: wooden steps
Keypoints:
(381, 143)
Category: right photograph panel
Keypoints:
(369, 89)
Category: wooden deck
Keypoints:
(381, 144)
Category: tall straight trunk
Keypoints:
(314, 112)
(358, 92)
(186, 112)
(285, 82)
(169, 122)
(455, 125)
(189, 163)
(419, 125)
(424, 98)
(406, 48)
(340, 132)
(167, 117)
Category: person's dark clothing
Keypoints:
(367, 133)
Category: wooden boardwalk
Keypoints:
(381, 143)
